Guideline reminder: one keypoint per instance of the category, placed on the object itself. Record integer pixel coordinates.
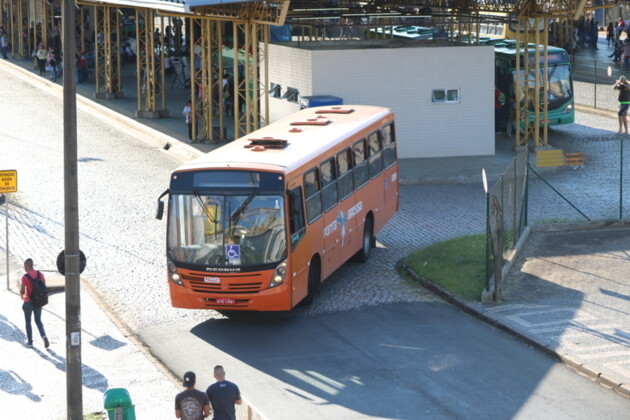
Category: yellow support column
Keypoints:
(107, 76)
(147, 67)
(215, 44)
(250, 90)
(12, 26)
(164, 53)
(194, 26)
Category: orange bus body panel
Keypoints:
(333, 237)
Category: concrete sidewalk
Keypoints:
(33, 380)
(567, 295)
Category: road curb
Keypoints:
(596, 111)
(566, 359)
(124, 328)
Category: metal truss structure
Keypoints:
(30, 21)
(150, 74)
(261, 12)
(107, 64)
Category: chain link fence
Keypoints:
(506, 215)
(593, 78)
(524, 194)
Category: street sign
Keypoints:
(8, 181)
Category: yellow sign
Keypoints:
(8, 181)
(548, 158)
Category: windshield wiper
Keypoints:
(205, 208)
(243, 206)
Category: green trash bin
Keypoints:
(117, 402)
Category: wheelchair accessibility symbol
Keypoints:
(233, 252)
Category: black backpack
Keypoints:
(39, 295)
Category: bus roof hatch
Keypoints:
(267, 142)
(335, 110)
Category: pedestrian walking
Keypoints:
(223, 395)
(41, 54)
(610, 34)
(4, 44)
(617, 53)
(626, 53)
(191, 404)
(189, 119)
(26, 289)
(624, 103)
(51, 64)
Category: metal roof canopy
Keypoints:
(261, 11)
(203, 3)
(163, 5)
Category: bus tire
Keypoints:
(368, 241)
(313, 282)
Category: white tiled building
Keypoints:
(442, 92)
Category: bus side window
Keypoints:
(328, 174)
(313, 195)
(359, 154)
(376, 161)
(296, 215)
(389, 145)
(344, 169)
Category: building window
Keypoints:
(275, 91)
(291, 95)
(445, 95)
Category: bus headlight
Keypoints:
(173, 275)
(279, 274)
(568, 109)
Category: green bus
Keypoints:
(560, 101)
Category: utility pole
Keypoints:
(74, 382)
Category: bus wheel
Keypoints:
(313, 283)
(368, 241)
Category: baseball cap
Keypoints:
(189, 378)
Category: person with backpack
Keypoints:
(34, 294)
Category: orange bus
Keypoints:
(259, 223)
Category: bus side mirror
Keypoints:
(160, 207)
(160, 210)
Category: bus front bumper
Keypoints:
(274, 299)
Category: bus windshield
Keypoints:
(559, 91)
(226, 230)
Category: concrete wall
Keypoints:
(401, 79)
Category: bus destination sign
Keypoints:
(8, 181)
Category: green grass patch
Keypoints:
(458, 265)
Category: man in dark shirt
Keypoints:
(191, 404)
(223, 395)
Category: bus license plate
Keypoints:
(226, 301)
(213, 280)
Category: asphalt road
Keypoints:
(373, 346)
(395, 361)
